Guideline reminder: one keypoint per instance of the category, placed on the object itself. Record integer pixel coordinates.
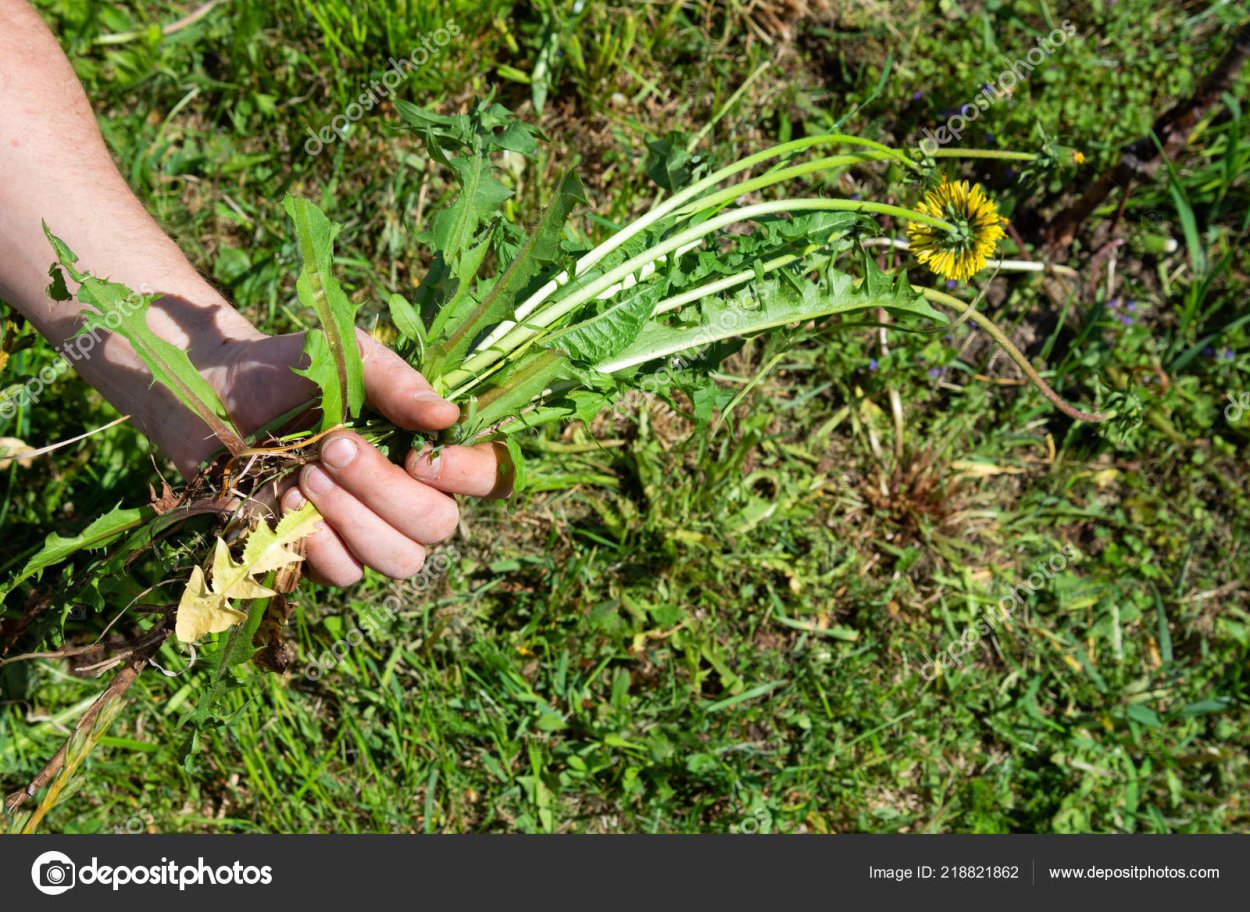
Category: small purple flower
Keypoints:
(856, 197)
(1227, 354)
(1131, 305)
(1114, 303)
(917, 95)
(936, 372)
(989, 137)
(951, 283)
(872, 364)
(1011, 174)
(1126, 319)
(988, 90)
(946, 112)
(1208, 351)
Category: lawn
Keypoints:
(747, 625)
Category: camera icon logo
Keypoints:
(53, 873)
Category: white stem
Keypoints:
(1003, 265)
(588, 260)
(711, 288)
(22, 455)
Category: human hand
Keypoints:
(377, 514)
(60, 174)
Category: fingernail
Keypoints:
(316, 480)
(429, 396)
(339, 452)
(293, 500)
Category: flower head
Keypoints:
(1078, 158)
(961, 253)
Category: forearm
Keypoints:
(54, 167)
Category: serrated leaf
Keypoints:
(234, 581)
(486, 128)
(321, 370)
(481, 195)
(116, 308)
(446, 295)
(451, 339)
(320, 291)
(708, 398)
(769, 304)
(531, 377)
(202, 611)
(518, 137)
(601, 337)
(668, 162)
(99, 533)
(268, 549)
(205, 608)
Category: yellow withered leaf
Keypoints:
(205, 608)
(233, 580)
(202, 611)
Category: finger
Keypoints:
(400, 393)
(415, 510)
(326, 557)
(370, 538)
(483, 470)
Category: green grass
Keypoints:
(725, 632)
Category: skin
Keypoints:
(54, 166)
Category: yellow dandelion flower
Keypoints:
(962, 253)
(1078, 158)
